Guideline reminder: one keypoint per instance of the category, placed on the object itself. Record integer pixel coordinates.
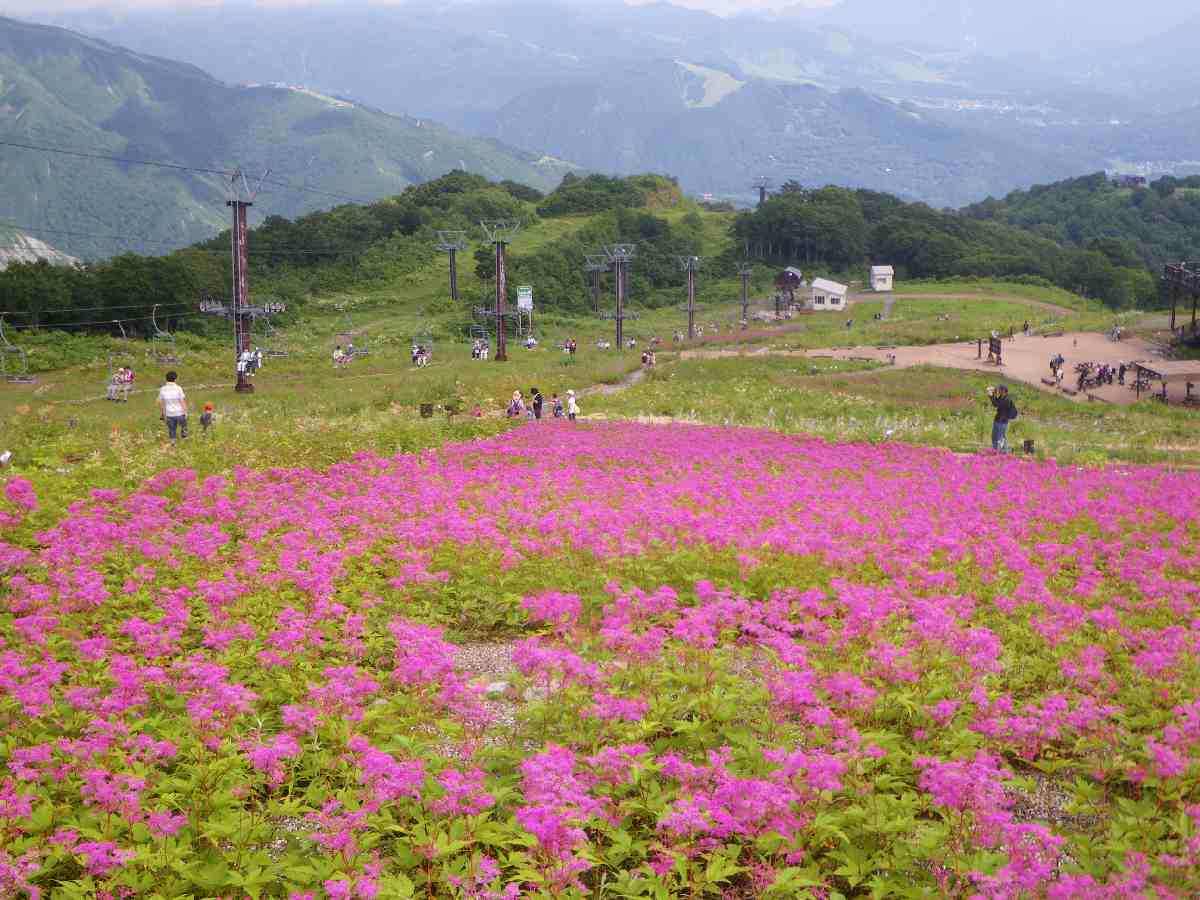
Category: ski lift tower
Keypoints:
(1183, 280)
(762, 184)
(452, 242)
(500, 234)
(240, 311)
(690, 264)
(745, 270)
(595, 264)
(620, 256)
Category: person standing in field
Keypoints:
(206, 418)
(172, 407)
(535, 402)
(572, 406)
(1006, 411)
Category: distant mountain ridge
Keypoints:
(719, 101)
(62, 89)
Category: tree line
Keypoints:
(842, 230)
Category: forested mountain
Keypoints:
(1149, 225)
(62, 90)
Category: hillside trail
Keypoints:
(600, 390)
(1026, 359)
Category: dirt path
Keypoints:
(1026, 359)
(634, 377)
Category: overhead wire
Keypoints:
(179, 315)
(67, 151)
(179, 167)
(192, 248)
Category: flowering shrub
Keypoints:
(716, 663)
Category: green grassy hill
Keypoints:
(61, 89)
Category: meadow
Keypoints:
(335, 649)
(606, 660)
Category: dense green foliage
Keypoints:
(597, 193)
(126, 288)
(1128, 225)
(841, 230)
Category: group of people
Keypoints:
(518, 408)
(648, 358)
(479, 349)
(420, 355)
(1091, 375)
(343, 358)
(249, 362)
(173, 409)
(120, 384)
(569, 346)
(1057, 364)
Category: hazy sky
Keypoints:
(1108, 12)
(721, 7)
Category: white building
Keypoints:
(827, 295)
(882, 278)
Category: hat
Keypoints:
(570, 393)
(1002, 388)
(208, 407)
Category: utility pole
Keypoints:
(499, 234)
(745, 270)
(452, 242)
(762, 184)
(690, 264)
(596, 264)
(620, 255)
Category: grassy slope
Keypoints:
(303, 411)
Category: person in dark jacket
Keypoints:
(1006, 411)
(535, 402)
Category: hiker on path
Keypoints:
(535, 402)
(572, 406)
(172, 407)
(556, 406)
(1006, 411)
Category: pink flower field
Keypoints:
(606, 661)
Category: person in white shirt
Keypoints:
(172, 407)
(572, 406)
